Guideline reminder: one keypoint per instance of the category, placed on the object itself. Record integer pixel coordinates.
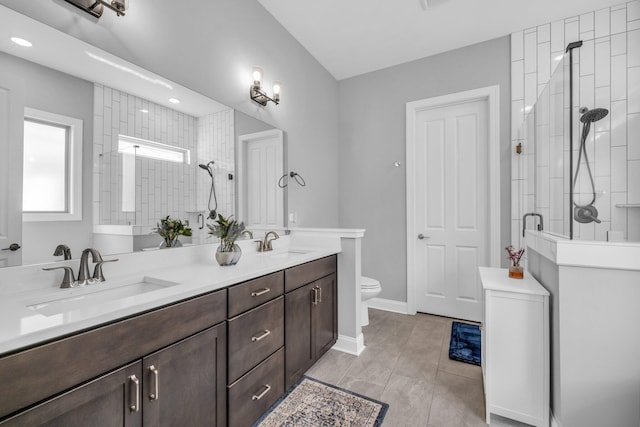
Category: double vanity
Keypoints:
(190, 343)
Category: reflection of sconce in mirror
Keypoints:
(96, 7)
(258, 94)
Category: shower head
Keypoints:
(594, 115)
(207, 167)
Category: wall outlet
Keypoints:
(293, 217)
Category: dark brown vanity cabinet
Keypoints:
(111, 400)
(174, 372)
(310, 315)
(256, 355)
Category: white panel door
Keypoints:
(451, 209)
(11, 131)
(261, 166)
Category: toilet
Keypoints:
(369, 288)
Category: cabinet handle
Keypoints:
(319, 294)
(314, 301)
(267, 387)
(260, 292)
(154, 372)
(262, 335)
(135, 393)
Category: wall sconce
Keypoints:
(258, 94)
(96, 7)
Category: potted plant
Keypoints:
(170, 229)
(516, 271)
(227, 230)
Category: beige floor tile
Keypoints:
(331, 367)
(365, 388)
(409, 401)
(375, 364)
(413, 363)
(457, 402)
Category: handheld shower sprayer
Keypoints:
(212, 192)
(588, 212)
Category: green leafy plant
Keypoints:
(228, 230)
(169, 229)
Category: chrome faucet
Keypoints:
(265, 245)
(83, 273)
(524, 221)
(63, 249)
(69, 280)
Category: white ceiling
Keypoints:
(352, 37)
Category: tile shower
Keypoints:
(606, 75)
(161, 188)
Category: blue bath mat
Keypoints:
(465, 343)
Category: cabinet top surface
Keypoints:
(497, 279)
(26, 319)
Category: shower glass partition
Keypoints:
(546, 151)
(611, 159)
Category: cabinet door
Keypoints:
(325, 315)
(299, 348)
(110, 401)
(185, 384)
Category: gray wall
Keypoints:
(211, 47)
(48, 90)
(372, 136)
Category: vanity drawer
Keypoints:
(253, 336)
(253, 394)
(251, 294)
(306, 273)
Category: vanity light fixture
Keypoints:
(21, 42)
(96, 7)
(258, 94)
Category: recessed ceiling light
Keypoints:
(174, 100)
(21, 42)
(144, 111)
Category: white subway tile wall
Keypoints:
(162, 188)
(606, 75)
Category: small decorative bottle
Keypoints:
(516, 271)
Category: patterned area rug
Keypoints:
(465, 343)
(311, 403)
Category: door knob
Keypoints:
(12, 247)
(422, 236)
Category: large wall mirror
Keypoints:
(95, 151)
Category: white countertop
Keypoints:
(497, 279)
(22, 326)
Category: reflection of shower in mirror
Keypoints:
(212, 191)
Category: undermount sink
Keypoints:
(286, 254)
(78, 298)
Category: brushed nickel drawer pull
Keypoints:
(260, 292)
(135, 384)
(154, 372)
(261, 336)
(315, 296)
(267, 387)
(319, 294)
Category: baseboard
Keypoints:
(554, 421)
(388, 305)
(350, 345)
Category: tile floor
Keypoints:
(406, 364)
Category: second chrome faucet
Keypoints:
(69, 280)
(265, 245)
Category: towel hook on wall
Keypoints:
(295, 175)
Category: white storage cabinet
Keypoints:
(515, 347)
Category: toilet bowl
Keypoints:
(369, 288)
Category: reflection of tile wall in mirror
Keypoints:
(162, 188)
